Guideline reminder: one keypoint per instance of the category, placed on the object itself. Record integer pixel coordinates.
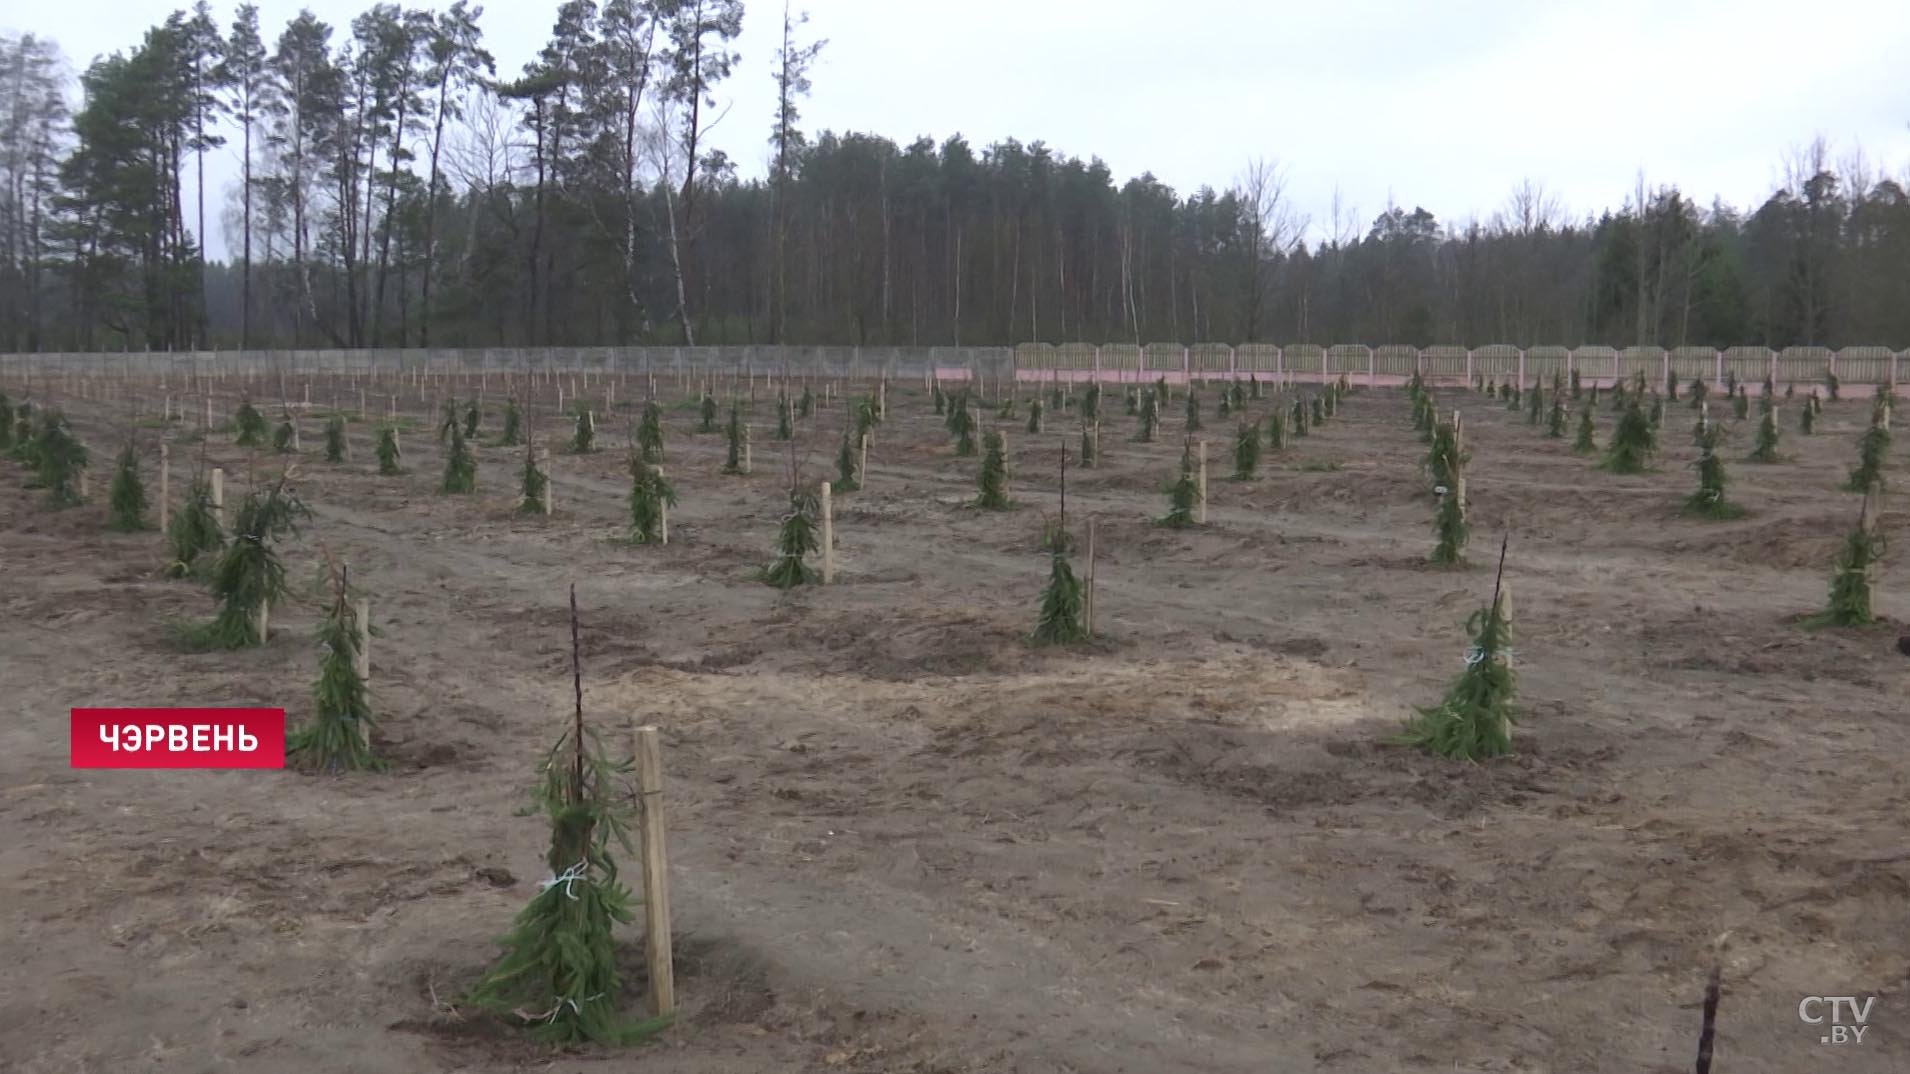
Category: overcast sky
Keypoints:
(1444, 104)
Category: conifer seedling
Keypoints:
(1474, 722)
(448, 421)
(1193, 410)
(193, 535)
(249, 575)
(1091, 403)
(583, 438)
(1633, 442)
(1183, 495)
(1831, 384)
(337, 738)
(993, 478)
(1697, 392)
(1534, 405)
(1850, 583)
(284, 436)
(848, 465)
(1709, 500)
(1319, 410)
(1035, 410)
(1576, 386)
(1671, 384)
(1089, 455)
(558, 975)
(796, 539)
(936, 397)
(1299, 423)
(335, 438)
(1150, 418)
(733, 459)
(1807, 419)
(1132, 403)
(58, 459)
(472, 415)
(961, 425)
(1872, 449)
(785, 419)
(1584, 443)
(650, 496)
(804, 406)
(513, 424)
(1246, 450)
(1555, 419)
(460, 465)
(1063, 616)
(126, 500)
(650, 432)
(388, 455)
(1767, 438)
(707, 410)
(533, 481)
(1277, 430)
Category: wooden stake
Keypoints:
(1201, 507)
(663, 512)
(828, 537)
(544, 465)
(218, 495)
(1088, 601)
(862, 467)
(748, 433)
(263, 620)
(656, 872)
(363, 614)
(1872, 513)
(165, 485)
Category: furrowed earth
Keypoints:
(903, 839)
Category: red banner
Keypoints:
(179, 738)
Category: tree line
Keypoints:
(396, 190)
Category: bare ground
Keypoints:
(905, 841)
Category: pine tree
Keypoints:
(58, 459)
(1633, 442)
(533, 483)
(1056, 400)
(1730, 382)
(1872, 449)
(785, 419)
(513, 421)
(650, 431)
(1444, 461)
(1709, 500)
(249, 424)
(338, 736)
(335, 439)
(472, 415)
(1005, 409)
(1807, 420)
(1449, 523)
(388, 451)
(1767, 438)
(1277, 430)
(1150, 418)
(1193, 410)
(796, 539)
(1132, 402)
(126, 499)
(1534, 405)
(1740, 405)
(1299, 417)
(1618, 397)
(1091, 403)
(1034, 416)
(6, 421)
(1184, 494)
(848, 465)
(1089, 456)
(1555, 420)
(993, 479)
(1584, 444)
(559, 972)
(1849, 603)
(804, 407)
(1063, 605)
(1253, 387)
(583, 440)
(193, 533)
(707, 410)
(448, 420)
(1657, 414)
(285, 435)
(866, 418)
(1831, 383)
(1415, 387)
(936, 397)
(733, 460)
(460, 466)
(650, 495)
(1697, 392)
(1576, 386)
(1319, 411)
(1474, 722)
(1246, 450)
(1225, 407)
(961, 424)
(1330, 402)
(248, 575)
(1671, 384)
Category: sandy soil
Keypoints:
(905, 841)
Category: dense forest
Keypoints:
(397, 190)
